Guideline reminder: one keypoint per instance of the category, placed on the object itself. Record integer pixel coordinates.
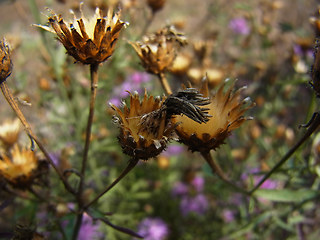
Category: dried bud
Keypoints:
(156, 5)
(5, 61)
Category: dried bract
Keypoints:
(315, 70)
(227, 111)
(5, 61)
(90, 41)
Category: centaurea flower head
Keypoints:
(226, 109)
(9, 132)
(88, 40)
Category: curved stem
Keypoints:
(131, 165)
(164, 83)
(147, 25)
(216, 169)
(94, 85)
(313, 127)
(8, 96)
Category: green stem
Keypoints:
(132, 163)
(313, 127)
(94, 85)
(216, 169)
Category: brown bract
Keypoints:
(226, 109)
(5, 61)
(20, 167)
(144, 129)
(90, 41)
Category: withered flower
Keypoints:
(90, 41)
(227, 111)
(157, 51)
(5, 61)
(9, 132)
(156, 5)
(146, 127)
(20, 167)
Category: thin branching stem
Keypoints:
(217, 170)
(10, 99)
(312, 128)
(94, 86)
(132, 163)
(164, 83)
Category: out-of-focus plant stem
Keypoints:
(10, 99)
(132, 163)
(93, 95)
(312, 127)
(164, 83)
(217, 170)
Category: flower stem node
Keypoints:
(90, 41)
(5, 61)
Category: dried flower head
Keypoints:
(157, 51)
(20, 167)
(90, 41)
(156, 5)
(146, 127)
(5, 61)
(227, 111)
(9, 132)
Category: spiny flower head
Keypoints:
(88, 40)
(19, 168)
(226, 109)
(157, 51)
(9, 132)
(5, 61)
(146, 127)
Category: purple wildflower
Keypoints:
(228, 215)
(153, 229)
(197, 204)
(139, 77)
(173, 150)
(240, 26)
(180, 189)
(89, 229)
(198, 183)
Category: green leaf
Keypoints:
(286, 195)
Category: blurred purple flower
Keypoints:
(139, 77)
(153, 229)
(239, 25)
(180, 189)
(268, 184)
(228, 215)
(89, 229)
(132, 83)
(173, 150)
(198, 183)
(194, 204)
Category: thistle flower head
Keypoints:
(88, 40)
(226, 109)
(20, 167)
(5, 61)
(9, 132)
(144, 129)
(156, 5)
(157, 51)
